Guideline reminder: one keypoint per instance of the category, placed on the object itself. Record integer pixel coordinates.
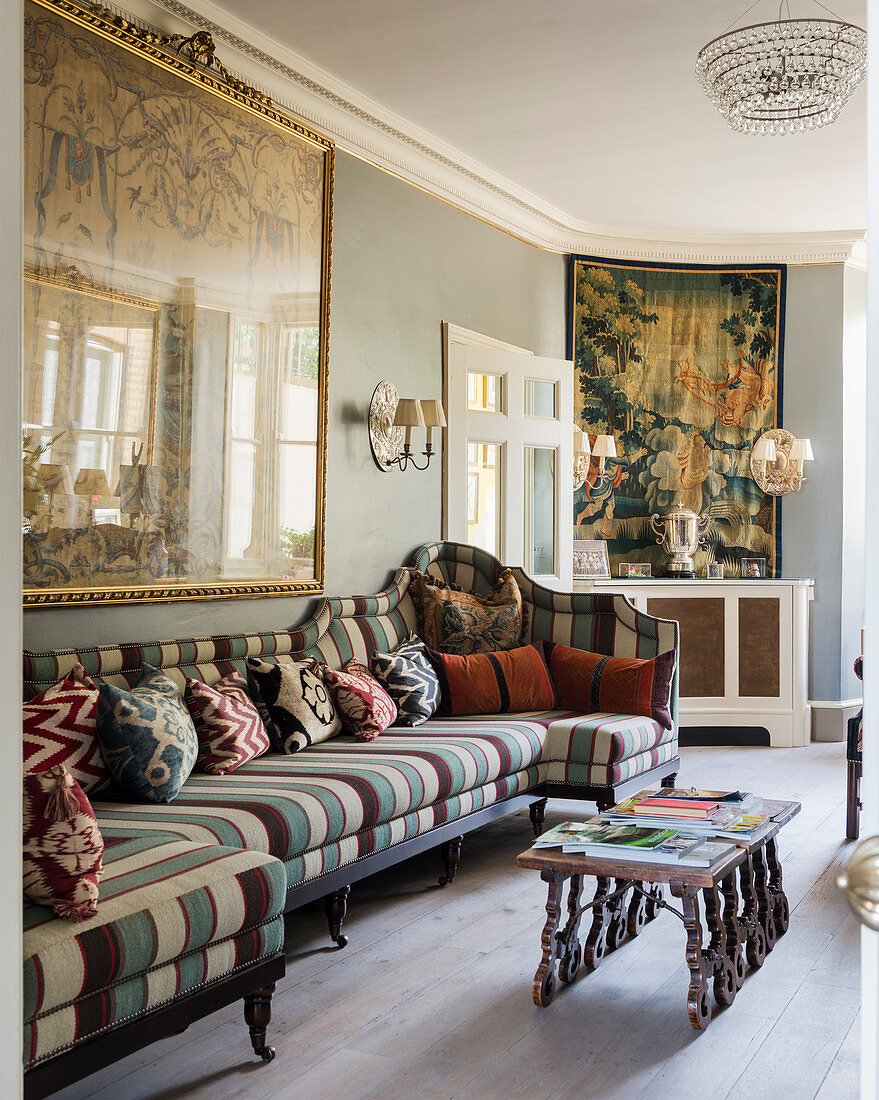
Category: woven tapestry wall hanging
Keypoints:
(682, 364)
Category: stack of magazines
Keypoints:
(728, 815)
(634, 843)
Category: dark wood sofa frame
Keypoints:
(473, 569)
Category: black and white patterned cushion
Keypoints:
(294, 703)
(408, 677)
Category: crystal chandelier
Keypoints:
(783, 77)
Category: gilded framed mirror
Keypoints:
(177, 268)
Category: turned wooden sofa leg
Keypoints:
(258, 1016)
(537, 810)
(335, 908)
(450, 852)
(670, 780)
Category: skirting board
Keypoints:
(830, 718)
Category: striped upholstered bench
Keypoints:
(282, 831)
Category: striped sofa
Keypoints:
(190, 913)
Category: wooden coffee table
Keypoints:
(628, 895)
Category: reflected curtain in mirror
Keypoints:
(177, 232)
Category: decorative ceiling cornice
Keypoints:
(368, 130)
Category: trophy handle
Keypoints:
(704, 524)
(658, 528)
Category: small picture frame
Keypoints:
(754, 569)
(590, 559)
(635, 569)
(714, 571)
(106, 515)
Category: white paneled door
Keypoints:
(509, 454)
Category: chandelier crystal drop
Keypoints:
(784, 77)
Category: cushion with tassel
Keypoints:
(63, 849)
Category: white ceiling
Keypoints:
(590, 105)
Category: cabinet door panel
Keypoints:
(702, 643)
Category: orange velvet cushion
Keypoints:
(493, 683)
(591, 682)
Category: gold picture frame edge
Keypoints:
(147, 43)
(66, 597)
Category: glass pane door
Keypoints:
(540, 518)
(484, 493)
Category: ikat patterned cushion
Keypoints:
(508, 681)
(59, 728)
(408, 677)
(462, 622)
(63, 851)
(228, 726)
(592, 682)
(364, 706)
(294, 703)
(147, 737)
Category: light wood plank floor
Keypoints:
(431, 999)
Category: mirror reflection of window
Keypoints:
(297, 457)
(244, 442)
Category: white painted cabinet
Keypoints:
(744, 650)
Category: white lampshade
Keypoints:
(581, 442)
(408, 414)
(801, 449)
(432, 413)
(764, 449)
(605, 447)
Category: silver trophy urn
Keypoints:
(680, 532)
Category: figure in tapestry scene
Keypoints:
(682, 366)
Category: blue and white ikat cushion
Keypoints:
(146, 736)
(409, 678)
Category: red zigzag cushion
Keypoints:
(229, 728)
(59, 728)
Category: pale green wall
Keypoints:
(822, 524)
(403, 262)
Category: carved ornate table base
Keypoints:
(622, 905)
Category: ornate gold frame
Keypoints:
(193, 59)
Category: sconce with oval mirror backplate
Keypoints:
(777, 461)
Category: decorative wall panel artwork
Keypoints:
(177, 260)
(683, 365)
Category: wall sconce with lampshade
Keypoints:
(778, 461)
(391, 420)
(603, 448)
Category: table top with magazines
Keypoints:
(691, 834)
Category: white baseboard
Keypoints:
(830, 718)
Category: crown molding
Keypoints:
(366, 129)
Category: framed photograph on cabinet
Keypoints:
(590, 559)
(177, 260)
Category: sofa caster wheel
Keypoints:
(267, 1054)
(340, 942)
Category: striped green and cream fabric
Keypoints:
(288, 805)
(172, 917)
(319, 861)
(600, 622)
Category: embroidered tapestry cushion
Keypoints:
(409, 678)
(364, 706)
(508, 681)
(62, 859)
(294, 703)
(418, 583)
(591, 682)
(58, 727)
(462, 622)
(228, 726)
(147, 737)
